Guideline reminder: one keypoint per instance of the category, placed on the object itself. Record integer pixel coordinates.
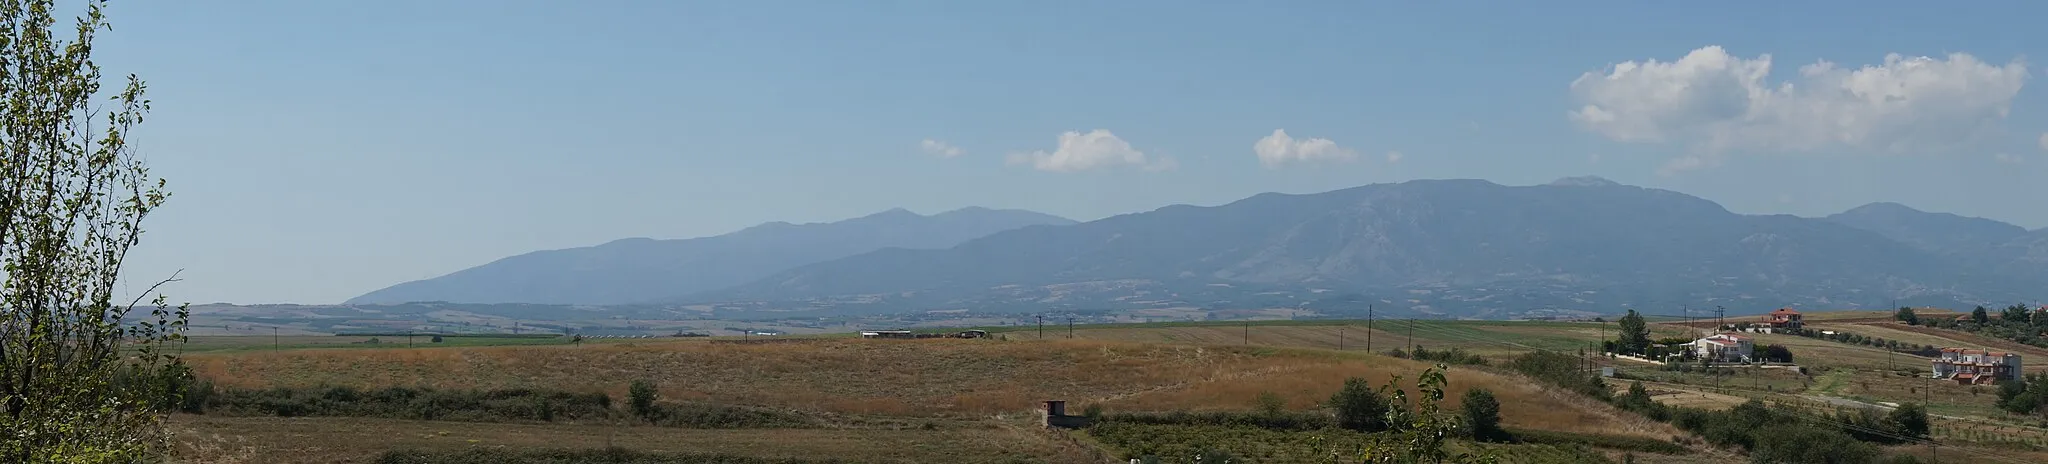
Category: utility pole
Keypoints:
(1070, 327)
(1340, 338)
(1368, 328)
(1041, 327)
(1247, 332)
(273, 339)
(1718, 320)
(1411, 335)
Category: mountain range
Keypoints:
(1449, 247)
(1463, 248)
(637, 270)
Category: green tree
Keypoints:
(641, 396)
(1776, 353)
(1482, 415)
(2015, 314)
(1979, 315)
(73, 195)
(1635, 333)
(1909, 420)
(1800, 444)
(1907, 316)
(1359, 407)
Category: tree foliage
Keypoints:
(1482, 415)
(1979, 315)
(1635, 333)
(1359, 407)
(74, 199)
(1906, 315)
(640, 395)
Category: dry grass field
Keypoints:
(924, 378)
(978, 395)
(255, 440)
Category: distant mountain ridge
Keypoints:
(636, 270)
(1449, 247)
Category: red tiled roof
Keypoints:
(1782, 311)
(1966, 376)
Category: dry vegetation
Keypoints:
(960, 378)
(325, 440)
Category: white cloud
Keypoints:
(1395, 156)
(1716, 103)
(2044, 141)
(1278, 149)
(1097, 149)
(940, 148)
(2008, 158)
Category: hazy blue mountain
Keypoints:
(1936, 232)
(639, 269)
(1456, 247)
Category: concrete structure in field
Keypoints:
(1784, 318)
(1976, 367)
(1056, 416)
(1725, 347)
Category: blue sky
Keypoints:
(319, 150)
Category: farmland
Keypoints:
(958, 400)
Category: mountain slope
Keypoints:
(640, 269)
(1935, 232)
(1451, 246)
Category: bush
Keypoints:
(1359, 407)
(1795, 444)
(1270, 403)
(412, 403)
(1561, 370)
(713, 416)
(1286, 422)
(1482, 415)
(641, 395)
(1776, 353)
(1909, 420)
(595, 456)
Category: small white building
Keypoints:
(1725, 347)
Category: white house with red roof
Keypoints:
(1976, 367)
(1725, 347)
(1785, 318)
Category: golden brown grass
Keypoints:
(202, 439)
(962, 378)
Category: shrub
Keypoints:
(713, 416)
(1561, 370)
(1482, 415)
(1795, 444)
(641, 396)
(1270, 403)
(593, 456)
(1286, 422)
(1909, 420)
(1359, 407)
(412, 403)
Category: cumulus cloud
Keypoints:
(1097, 149)
(1279, 149)
(1715, 102)
(1395, 156)
(940, 148)
(2044, 141)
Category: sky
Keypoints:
(320, 150)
